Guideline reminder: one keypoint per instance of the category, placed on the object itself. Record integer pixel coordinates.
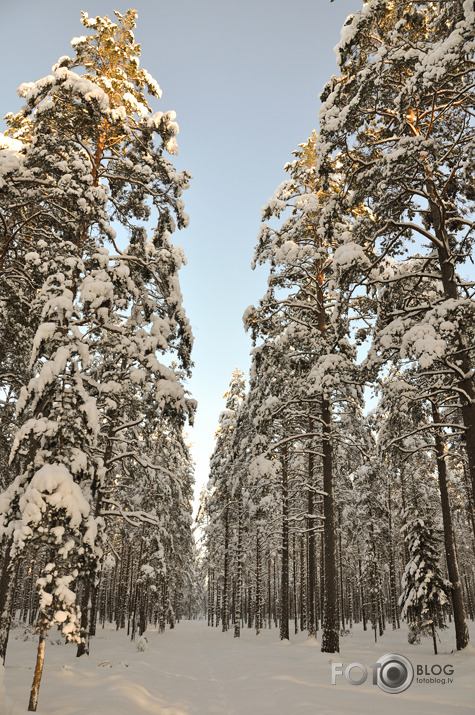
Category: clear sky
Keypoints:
(244, 79)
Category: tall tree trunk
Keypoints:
(7, 590)
(362, 597)
(303, 584)
(86, 610)
(340, 561)
(218, 603)
(404, 507)
(321, 586)
(163, 605)
(137, 590)
(258, 586)
(469, 598)
(249, 607)
(466, 383)
(284, 588)
(469, 502)
(392, 567)
(349, 588)
(294, 589)
(225, 614)
(238, 596)
(330, 636)
(311, 548)
(460, 621)
(434, 638)
(213, 596)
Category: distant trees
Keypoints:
(225, 512)
(94, 339)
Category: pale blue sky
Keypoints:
(244, 80)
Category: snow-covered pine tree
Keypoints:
(303, 319)
(400, 118)
(17, 291)
(92, 158)
(425, 591)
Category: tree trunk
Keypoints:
(7, 589)
(284, 588)
(465, 384)
(311, 553)
(238, 596)
(434, 638)
(86, 609)
(330, 636)
(258, 587)
(218, 604)
(340, 560)
(213, 597)
(225, 615)
(392, 567)
(40, 659)
(362, 597)
(163, 605)
(303, 585)
(294, 589)
(468, 491)
(460, 621)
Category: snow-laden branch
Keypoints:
(136, 518)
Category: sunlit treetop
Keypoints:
(111, 59)
(105, 77)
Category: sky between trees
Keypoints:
(244, 80)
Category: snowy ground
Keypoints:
(196, 669)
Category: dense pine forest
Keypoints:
(342, 483)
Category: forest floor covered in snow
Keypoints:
(194, 669)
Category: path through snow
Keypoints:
(196, 670)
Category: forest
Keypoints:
(341, 486)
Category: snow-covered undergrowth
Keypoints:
(199, 670)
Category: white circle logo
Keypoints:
(395, 673)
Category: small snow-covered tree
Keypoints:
(425, 591)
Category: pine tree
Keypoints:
(425, 591)
(306, 325)
(105, 314)
(399, 118)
